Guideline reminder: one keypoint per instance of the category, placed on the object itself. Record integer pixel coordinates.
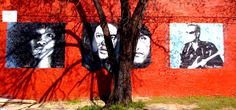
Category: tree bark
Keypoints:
(129, 32)
(103, 23)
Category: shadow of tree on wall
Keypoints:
(26, 78)
(24, 81)
(55, 85)
(21, 84)
(21, 81)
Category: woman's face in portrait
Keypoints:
(142, 49)
(43, 45)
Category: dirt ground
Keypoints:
(63, 105)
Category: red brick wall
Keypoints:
(74, 81)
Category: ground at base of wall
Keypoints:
(76, 104)
(64, 106)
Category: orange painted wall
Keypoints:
(158, 79)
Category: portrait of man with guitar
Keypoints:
(197, 53)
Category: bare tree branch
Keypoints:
(125, 12)
(104, 26)
(136, 22)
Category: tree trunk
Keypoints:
(122, 91)
(129, 32)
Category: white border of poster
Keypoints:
(211, 32)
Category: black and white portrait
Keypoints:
(35, 45)
(142, 56)
(94, 50)
(98, 43)
(196, 45)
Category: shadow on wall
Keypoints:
(21, 81)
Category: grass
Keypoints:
(203, 102)
(90, 108)
(73, 102)
(133, 105)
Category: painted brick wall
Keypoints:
(158, 79)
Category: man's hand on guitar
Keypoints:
(202, 62)
(197, 64)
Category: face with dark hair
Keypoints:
(43, 45)
(99, 41)
(193, 32)
(142, 49)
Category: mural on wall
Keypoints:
(142, 56)
(94, 51)
(35, 45)
(196, 45)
